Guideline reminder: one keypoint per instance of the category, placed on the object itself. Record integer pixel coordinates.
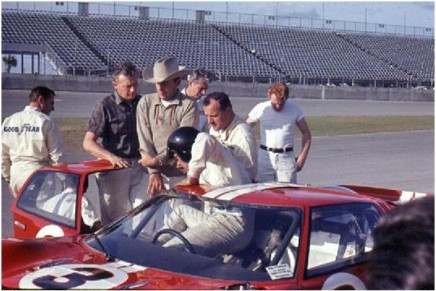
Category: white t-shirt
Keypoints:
(277, 128)
(214, 164)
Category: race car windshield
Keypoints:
(208, 238)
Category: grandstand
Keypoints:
(94, 44)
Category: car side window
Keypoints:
(340, 235)
(52, 196)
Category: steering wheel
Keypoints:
(187, 244)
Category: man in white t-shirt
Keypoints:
(278, 118)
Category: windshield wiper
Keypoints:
(106, 253)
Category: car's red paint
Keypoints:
(78, 260)
(72, 250)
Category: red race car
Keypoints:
(256, 236)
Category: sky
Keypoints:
(403, 13)
(409, 13)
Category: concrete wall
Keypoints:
(103, 84)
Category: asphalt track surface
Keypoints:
(403, 160)
(74, 104)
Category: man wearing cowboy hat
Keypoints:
(158, 115)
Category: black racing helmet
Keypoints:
(180, 142)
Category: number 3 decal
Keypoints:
(80, 276)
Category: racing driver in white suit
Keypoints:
(30, 139)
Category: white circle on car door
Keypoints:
(50, 230)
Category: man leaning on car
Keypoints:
(113, 119)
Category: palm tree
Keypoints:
(10, 61)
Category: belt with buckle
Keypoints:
(277, 150)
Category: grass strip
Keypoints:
(73, 129)
(343, 125)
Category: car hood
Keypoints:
(68, 263)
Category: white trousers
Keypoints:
(20, 172)
(121, 190)
(277, 167)
(210, 234)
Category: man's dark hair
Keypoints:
(403, 253)
(45, 92)
(222, 98)
(127, 68)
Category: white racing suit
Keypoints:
(30, 140)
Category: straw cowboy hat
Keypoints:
(167, 68)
